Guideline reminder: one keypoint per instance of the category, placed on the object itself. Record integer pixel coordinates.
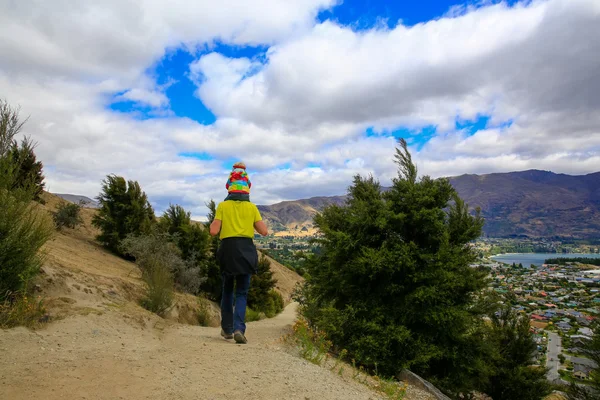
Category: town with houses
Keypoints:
(562, 303)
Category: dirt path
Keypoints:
(116, 356)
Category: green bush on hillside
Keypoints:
(213, 285)
(23, 227)
(124, 210)
(194, 243)
(157, 258)
(67, 215)
(261, 296)
(29, 174)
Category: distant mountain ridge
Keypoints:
(530, 203)
(74, 198)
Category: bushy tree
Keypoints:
(392, 284)
(29, 171)
(193, 241)
(23, 227)
(213, 284)
(512, 348)
(67, 215)
(262, 297)
(124, 210)
(157, 258)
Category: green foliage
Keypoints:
(511, 349)
(29, 171)
(19, 309)
(124, 210)
(393, 285)
(564, 261)
(203, 312)
(67, 215)
(261, 296)
(252, 315)
(23, 227)
(212, 271)
(157, 258)
(312, 343)
(194, 243)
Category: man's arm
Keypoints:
(260, 227)
(215, 227)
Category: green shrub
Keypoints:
(261, 296)
(312, 343)
(19, 309)
(252, 315)
(204, 315)
(194, 243)
(24, 228)
(159, 289)
(29, 173)
(124, 210)
(67, 215)
(157, 257)
(211, 270)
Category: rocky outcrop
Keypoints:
(420, 383)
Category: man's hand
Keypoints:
(215, 227)
(261, 228)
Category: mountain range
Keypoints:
(533, 203)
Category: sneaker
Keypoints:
(239, 337)
(226, 335)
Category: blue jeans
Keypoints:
(234, 320)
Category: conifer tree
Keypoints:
(262, 283)
(512, 376)
(29, 171)
(212, 272)
(124, 210)
(392, 284)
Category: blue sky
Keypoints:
(307, 93)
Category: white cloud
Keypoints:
(309, 102)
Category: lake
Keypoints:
(536, 258)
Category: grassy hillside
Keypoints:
(80, 276)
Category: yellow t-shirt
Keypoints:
(237, 218)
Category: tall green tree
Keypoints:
(512, 350)
(261, 296)
(213, 284)
(23, 227)
(29, 171)
(124, 210)
(392, 284)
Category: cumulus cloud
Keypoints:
(297, 114)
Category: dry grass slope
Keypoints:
(80, 276)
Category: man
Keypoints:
(236, 219)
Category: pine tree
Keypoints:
(29, 171)
(513, 348)
(24, 229)
(124, 210)
(393, 285)
(259, 298)
(213, 284)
